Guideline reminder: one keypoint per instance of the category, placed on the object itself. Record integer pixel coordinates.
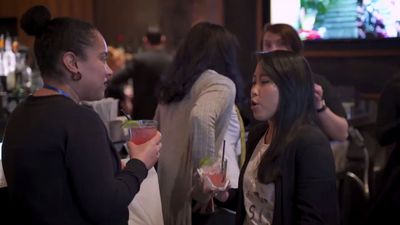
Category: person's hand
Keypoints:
(222, 196)
(318, 93)
(123, 163)
(208, 205)
(147, 152)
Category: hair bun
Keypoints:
(34, 21)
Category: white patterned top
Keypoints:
(259, 198)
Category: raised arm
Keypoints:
(330, 112)
(101, 188)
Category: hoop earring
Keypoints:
(76, 76)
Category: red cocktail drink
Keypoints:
(142, 130)
(142, 135)
(214, 173)
(217, 179)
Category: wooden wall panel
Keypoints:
(208, 10)
(175, 19)
(81, 9)
(177, 16)
(8, 8)
(130, 18)
(127, 19)
(241, 19)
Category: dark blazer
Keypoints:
(305, 193)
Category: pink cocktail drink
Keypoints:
(141, 131)
(141, 135)
(213, 172)
(217, 179)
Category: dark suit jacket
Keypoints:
(145, 70)
(305, 193)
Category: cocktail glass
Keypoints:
(214, 174)
(141, 131)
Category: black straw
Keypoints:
(223, 156)
(125, 114)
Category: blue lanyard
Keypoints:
(46, 86)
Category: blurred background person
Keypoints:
(386, 203)
(117, 58)
(197, 98)
(330, 112)
(61, 167)
(142, 74)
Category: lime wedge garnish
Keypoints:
(130, 124)
(206, 161)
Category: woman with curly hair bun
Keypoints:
(60, 165)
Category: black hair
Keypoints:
(293, 77)
(288, 34)
(206, 46)
(53, 37)
(153, 35)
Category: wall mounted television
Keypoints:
(339, 19)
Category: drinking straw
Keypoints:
(125, 114)
(223, 156)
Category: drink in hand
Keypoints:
(142, 135)
(217, 179)
(141, 131)
(214, 176)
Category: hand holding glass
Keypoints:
(214, 175)
(145, 141)
(141, 131)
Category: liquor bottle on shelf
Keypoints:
(2, 74)
(1, 54)
(9, 63)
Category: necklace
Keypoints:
(61, 92)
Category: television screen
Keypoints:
(339, 19)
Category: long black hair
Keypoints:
(206, 46)
(53, 37)
(292, 75)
